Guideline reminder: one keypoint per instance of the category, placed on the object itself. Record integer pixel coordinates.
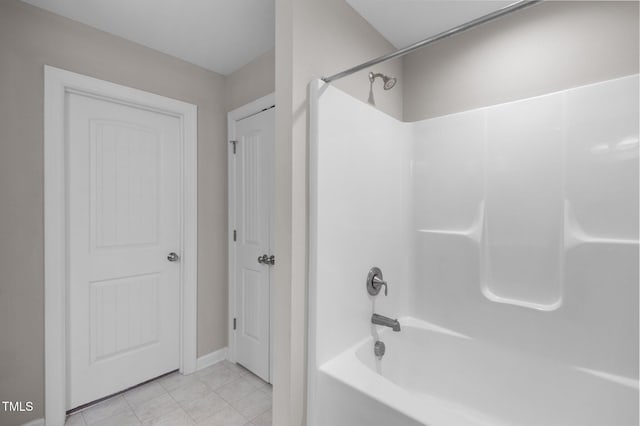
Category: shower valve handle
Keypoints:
(377, 282)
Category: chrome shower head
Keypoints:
(388, 82)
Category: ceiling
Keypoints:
(220, 35)
(224, 35)
(403, 22)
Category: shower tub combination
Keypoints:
(508, 236)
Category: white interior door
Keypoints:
(124, 219)
(255, 137)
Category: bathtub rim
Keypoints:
(349, 369)
(395, 397)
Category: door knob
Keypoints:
(267, 260)
(173, 257)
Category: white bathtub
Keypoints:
(432, 376)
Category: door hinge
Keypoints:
(234, 145)
(234, 323)
(235, 235)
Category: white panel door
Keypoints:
(124, 220)
(254, 193)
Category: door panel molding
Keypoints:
(233, 117)
(58, 83)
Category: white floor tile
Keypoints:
(175, 380)
(174, 418)
(156, 407)
(236, 368)
(268, 389)
(200, 409)
(105, 409)
(255, 380)
(219, 378)
(121, 419)
(236, 390)
(253, 405)
(143, 393)
(212, 369)
(190, 391)
(225, 417)
(178, 400)
(265, 419)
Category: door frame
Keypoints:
(245, 111)
(57, 84)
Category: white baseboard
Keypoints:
(36, 422)
(211, 358)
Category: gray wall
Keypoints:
(549, 47)
(30, 38)
(252, 81)
(313, 39)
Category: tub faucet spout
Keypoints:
(387, 322)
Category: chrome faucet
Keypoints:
(387, 322)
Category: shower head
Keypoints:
(388, 82)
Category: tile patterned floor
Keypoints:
(224, 394)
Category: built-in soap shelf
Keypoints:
(473, 232)
(575, 235)
(489, 294)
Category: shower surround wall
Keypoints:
(364, 173)
(514, 225)
(527, 224)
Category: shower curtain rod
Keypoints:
(460, 28)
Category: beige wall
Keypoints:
(252, 81)
(30, 38)
(313, 39)
(548, 47)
